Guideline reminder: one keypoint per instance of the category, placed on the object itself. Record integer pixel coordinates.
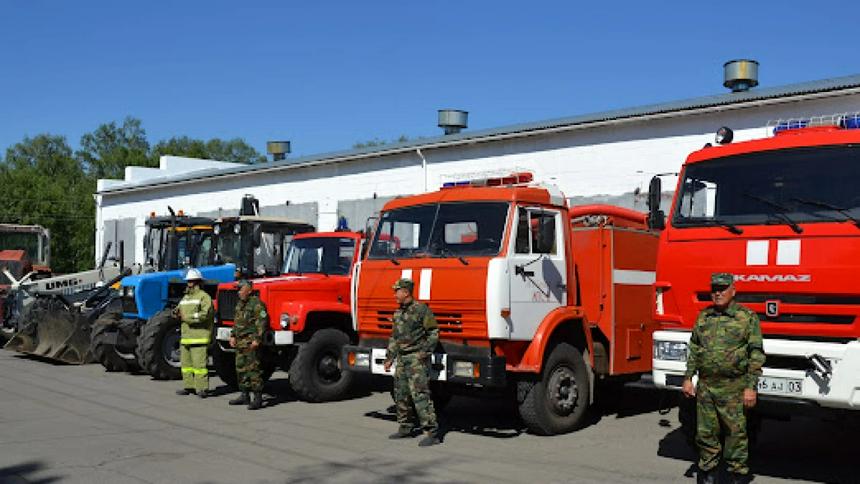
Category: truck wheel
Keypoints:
(557, 402)
(225, 365)
(315, 373)
(158, 344)
(103, 351)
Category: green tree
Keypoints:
(110, 148)
(235, 150)
(44, 184)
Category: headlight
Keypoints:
(670, 351)
(216, 229)
(128, 291)
(237, 229)
(285, 320)
(358, 360)
(466, 369)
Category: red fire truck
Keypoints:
(530, 295)
(309, 316)
(781, 213)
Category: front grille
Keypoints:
(455, 319)
(760, 297)
(809, 300)
(227, 299)
(129, 304)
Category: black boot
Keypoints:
(184, 391)
(402, 433)
(430, 438)
(242, 399)
(706, 477)
(256, 402)
(735, 478)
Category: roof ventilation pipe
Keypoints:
(740, 75)
(278, 149)
(453, 120)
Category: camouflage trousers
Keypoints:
(249, 373)
(720, 410)
(412, 393)
(195, 374)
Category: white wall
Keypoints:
(607, 160)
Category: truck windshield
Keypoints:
(798, 185)
(323, 255)
(229, 243)
(441, 230)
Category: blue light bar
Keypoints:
(790, 124)
(850, 121)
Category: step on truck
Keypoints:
(309, 316)
(781, 213)
(534, 300)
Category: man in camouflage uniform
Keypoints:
(249, 325)
(196, 320)
(727, 354)
(413, 338)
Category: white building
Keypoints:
(601, 157)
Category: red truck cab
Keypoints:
(530, 295)
(309, 315)
(780, 213)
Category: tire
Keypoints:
(556, 403)
(158, 346)
(315, 373)
(104, 352)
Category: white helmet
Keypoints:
(193, 275)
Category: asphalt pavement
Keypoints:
(63, 423)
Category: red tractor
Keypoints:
(309, 316)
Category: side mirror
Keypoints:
(656, 217)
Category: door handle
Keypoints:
(521, 271)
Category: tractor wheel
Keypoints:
(315, 373)
(158, 346)
(557, 402)
(104, 352)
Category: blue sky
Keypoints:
(326, 75)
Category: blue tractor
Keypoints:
(144, 335)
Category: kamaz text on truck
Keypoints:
(309, 316)
(531, 296)
(780, 213)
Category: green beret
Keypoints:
(404, 283)
(722, 279)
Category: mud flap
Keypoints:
(57, 334)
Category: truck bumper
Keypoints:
(794, 371)
(273, 338)
(484, 371)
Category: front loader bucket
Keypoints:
(56, 333)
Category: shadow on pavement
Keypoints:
(372, 470)
(24, 473)
(803, 448)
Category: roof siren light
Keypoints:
(518, 178)
(724, 136)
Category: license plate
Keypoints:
(780, 386)
(224, 334)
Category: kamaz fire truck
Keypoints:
(530, 295)
(782, 213)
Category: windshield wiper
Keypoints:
(840, 210)
(782, 211)
(710, 222)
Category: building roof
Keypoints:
(737, 99)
